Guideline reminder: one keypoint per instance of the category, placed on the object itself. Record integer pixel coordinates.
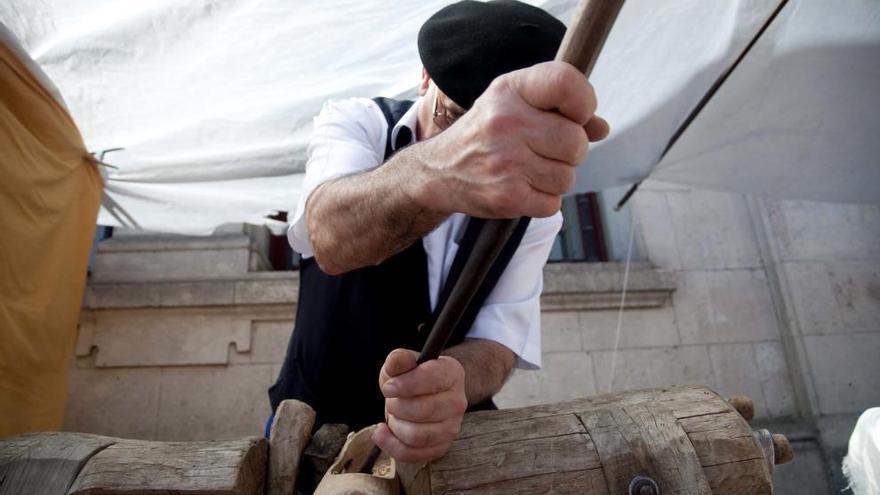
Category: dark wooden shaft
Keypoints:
(580, 47)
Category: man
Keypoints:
(386, 201)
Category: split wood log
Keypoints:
(291, 431)
(79, 464)
(45, 462)
(232, 467)
(687, 440)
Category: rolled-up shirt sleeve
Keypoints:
(348, 137)
(511, 314)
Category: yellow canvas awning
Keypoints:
(50, 190)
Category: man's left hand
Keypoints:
(424, 406)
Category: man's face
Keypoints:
(438, 112)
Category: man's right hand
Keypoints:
(514, 152)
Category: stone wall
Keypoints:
(719, 328)
(191, 360)
(779, 301)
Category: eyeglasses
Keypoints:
(443, 116)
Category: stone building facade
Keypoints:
(780, 301)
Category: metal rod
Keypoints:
(703, 102)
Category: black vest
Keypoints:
(347, 324)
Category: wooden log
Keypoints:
(135, 467)
(291, 431)
(744, 406)
(45, 462)
(77, 463)
(688, 440)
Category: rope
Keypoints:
(632, 230)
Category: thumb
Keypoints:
(398, 362)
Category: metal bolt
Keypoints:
(643, 485)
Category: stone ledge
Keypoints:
(173, 243)
(163, 258)
(567, 286)
(593, 286)
(253, 288)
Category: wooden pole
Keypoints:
(580, 47)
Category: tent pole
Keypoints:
(703, 101)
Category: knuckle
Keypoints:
(566, 77)
(582, 154)
(548, 206)
(499, 123)
(500, 164)
(453, 430)
(568, 179)
(576, 141)
(500, 83)
(553, 206)
(460, 406)
(592, 100)
(501, 201)
(392, 406)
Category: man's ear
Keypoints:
(426, 82)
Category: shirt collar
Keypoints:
(409, 120)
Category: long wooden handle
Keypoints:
(587, 34)
(580, 47)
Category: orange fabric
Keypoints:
(50, 191)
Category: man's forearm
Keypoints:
(487, 365)
(361, 220)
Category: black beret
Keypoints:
(466, 45)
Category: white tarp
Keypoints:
(862, 463)
(800, 116)
(212, 100)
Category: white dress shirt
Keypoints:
(349, 137)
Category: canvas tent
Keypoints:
(208, 104)
(212, 101)
(49, 200)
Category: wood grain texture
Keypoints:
(721, 438)
(683, 401)
(291, 432)
(739, 478)
(590, 26)
(134, 467)
(525, 429)
(45, 462)
(467, 469)
(645, 439)
(688, 438)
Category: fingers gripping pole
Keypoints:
(580, 47)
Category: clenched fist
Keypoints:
(424, 406)
(514, 153)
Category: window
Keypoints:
(582, 237)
